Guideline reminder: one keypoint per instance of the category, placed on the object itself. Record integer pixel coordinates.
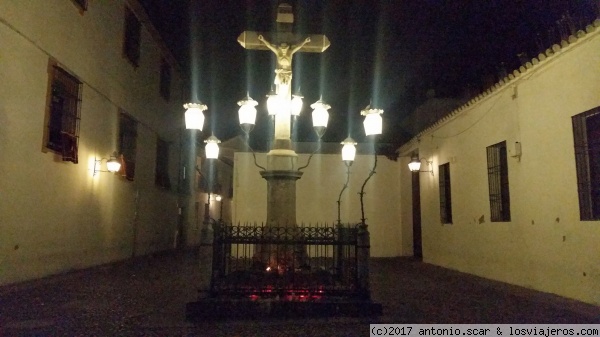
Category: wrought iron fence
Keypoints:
(287, 262)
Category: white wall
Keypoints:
(56, 216)
(317, 193)
(545, 246)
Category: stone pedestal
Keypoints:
(281, 197)
(281, 176)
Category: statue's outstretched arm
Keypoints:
(298, 47)
(266, 43)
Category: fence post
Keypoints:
(363, 246)
(338, 251)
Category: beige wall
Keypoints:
(317, 193)
(57, 216)
(199, 199)
(545, 246)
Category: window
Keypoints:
(63, 114)
(131, 44)
(127, 145)
(445, 195)
(586, 134)
(162, 164)
(498, 182)
(81, 4)
(165, 80)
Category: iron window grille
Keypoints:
(132, 39)
(498, 182)
(445, 194)
(586, 135)
(127, 145)
(63, 114)
(165, 80)
(162, 164)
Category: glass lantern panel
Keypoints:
(276, 104)
(194, 119)
(212, 150)
(348, 152)
(247, 114)
(320, 117)
(373, 124)
(113, 165)
(414, 166)
(296, 105)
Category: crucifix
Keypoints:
(284, 44)
(283, 72)
(282, 171)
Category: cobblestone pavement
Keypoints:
(147, 297)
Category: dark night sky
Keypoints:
(388, 51)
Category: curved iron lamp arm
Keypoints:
(310, 157)
(339, 201)
(362, 191)
(253, 153)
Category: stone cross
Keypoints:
(284, 44)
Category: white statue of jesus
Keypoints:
(283, 73)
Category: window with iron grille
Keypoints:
(498, 182)
(81, 4)
(162, 164)
(445, 194)
(586, 134)
(132, 39)
(165, 80)
(63, 114)
(127, 145)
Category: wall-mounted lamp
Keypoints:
(112, 164)
(415, 164)
(219, 198)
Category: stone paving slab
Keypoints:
(147, 297)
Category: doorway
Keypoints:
(416, 214)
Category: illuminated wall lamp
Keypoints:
(415, 165)
(112, 164)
